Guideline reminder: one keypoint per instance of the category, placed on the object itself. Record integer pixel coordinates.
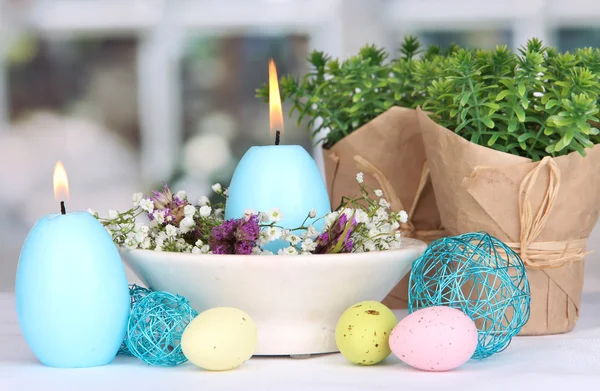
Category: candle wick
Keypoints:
(62, 208)
(277, 136)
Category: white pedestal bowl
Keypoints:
(295, 301)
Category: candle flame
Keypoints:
(61, 183)
(275, 112)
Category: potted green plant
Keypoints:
(362, 110)
(513, 150)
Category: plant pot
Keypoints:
(389, 151)
(544, 210)
(295, 301)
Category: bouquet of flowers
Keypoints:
(172, 223)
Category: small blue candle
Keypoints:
(71, 290)
(278, 176)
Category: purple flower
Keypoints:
(170, 204)
(339, 232)
(235, 236)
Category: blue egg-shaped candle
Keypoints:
(278, 176)
(72, 293)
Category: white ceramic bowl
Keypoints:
(295, 301)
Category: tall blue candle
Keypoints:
(278, 176)
(71, 290)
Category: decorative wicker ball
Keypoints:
(480, 275)
(136, 292)
(155, 326)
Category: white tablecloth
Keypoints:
(563, 362)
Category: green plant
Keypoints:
(340, 97)
(533, 103)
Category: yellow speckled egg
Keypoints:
(220, 339)
(363, 331)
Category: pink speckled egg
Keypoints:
(434, 339)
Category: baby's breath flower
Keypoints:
(330, 218)
(146, 243)
(308, 245)
(226, 192)
(249, 213)
(267, 252)
(181, 195)
(360, 177)
(205, 211)
(312, 214)
(205, 249)
(203, 201)
(378, 192)
(147, 205)
(288, 251)
(186, 224)
(189, 211)
(218, 213)
(199, 243)
(136, 198)
(273, 233)
(217, 188)
(113, 214)
(310, 233)
(293, 239)
(159, 216)
(263, 217)
(403, 216)
(171, 230)
(196, 250)
(383, 203)
(275, 214)
(381, 215)
(361, 216)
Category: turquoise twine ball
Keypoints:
(479, 275)
(155, 326)
(136, 292)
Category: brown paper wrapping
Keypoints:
(389, 151)
(544, 210)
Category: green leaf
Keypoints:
(520, 113)
(502, 94)
(493, 139)
(512, 124)
(488, 122)
(521, 89)
(551, 103)
(465, 98)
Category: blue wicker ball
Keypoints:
(155, 326)
(479, 275)
(136, 292)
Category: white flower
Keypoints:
(203, 201)
(181, 195)
(113, 214)
(205, 211)
(196, 250)
(275, 214)
(130, 243)
(217, 188)
(381, 214)
(403, 216)
(186, 224)
(205, 249)
(310, 233)
(395, 225)
(189, 211)
(146, 243)
(288, 251)
(147, 205)
(263, 238)
(361, 216)
(267, 252)
(256, 250)
(360, 177)
(273, 233)
(218, 212)
(171, 230)
(330, 218)
(92, 212)
(308, 245)
(263, 217)
(159, 216)
(249, 213)
(378, 192)
(312, 214)
(199, 243)
(169, 218)
(226, 192)
(293, 239)
(136, 198)
(383, 203)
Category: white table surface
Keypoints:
(569, 361)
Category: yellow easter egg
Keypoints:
(220, 339)
(362, 332)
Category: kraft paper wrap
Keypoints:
(544, 210)
(389, 151)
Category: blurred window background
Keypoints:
(130, 93)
